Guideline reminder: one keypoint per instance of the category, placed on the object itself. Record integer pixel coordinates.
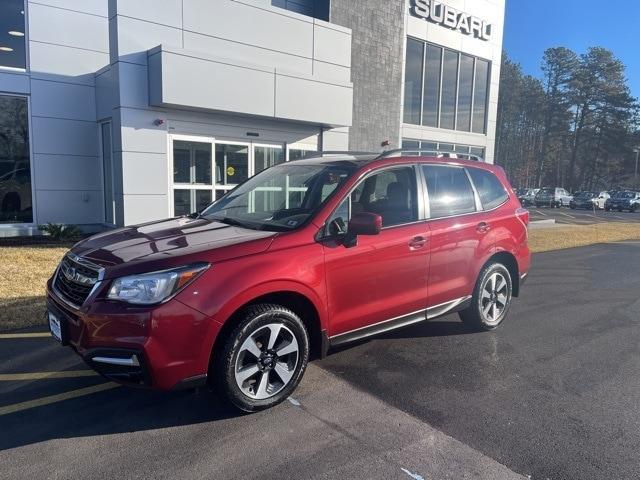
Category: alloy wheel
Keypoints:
(494, 298)
(266, 361)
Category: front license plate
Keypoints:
(55, 327)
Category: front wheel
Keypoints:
(263, 359)
(491, 298)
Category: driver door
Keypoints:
(384, 276)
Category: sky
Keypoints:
(533, 26)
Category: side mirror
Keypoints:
(362, 224)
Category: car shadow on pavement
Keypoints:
(118, 410)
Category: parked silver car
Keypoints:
(552, 197)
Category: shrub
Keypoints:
(61, 232)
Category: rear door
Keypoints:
(461, 236)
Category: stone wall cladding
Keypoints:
(377, 53)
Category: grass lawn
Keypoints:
(24, 271)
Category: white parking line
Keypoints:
(566, 215)
(540, 213)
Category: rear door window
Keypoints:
(490, 190)
(450, 191)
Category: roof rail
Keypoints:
(430, 153)
(324, 153)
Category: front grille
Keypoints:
(74, 281)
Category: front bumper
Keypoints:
(163, 347)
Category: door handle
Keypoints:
(483, 227)
(417, 242)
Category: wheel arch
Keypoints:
(509, 261)
(291, 299)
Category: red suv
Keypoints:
(302, 257)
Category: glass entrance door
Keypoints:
(192, 176)
(205, 169)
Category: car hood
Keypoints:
(168, 243)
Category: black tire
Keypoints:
(620, 210)
(254, 320)
(473, 316)
(633, 209)
(572, 206)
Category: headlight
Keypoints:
(155, 287)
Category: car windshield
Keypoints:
(281, 198)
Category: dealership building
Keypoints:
(117, 112)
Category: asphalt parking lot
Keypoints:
(582, 217)
(554, 393)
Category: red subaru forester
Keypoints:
(302, 257)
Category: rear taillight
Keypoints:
(523, 215)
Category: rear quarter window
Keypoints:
(490, 190)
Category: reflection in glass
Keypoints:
(181, 202)
(203, 199)
(265, 157)
(232, 164)
(431, 104)
(450, 192)
(300, 153)
(449, 90)
(413, 81)
(464, 93)
(12, 34)
(480, 97)
(202, 163)
(107, 167)
(15, 166)
(181, 162)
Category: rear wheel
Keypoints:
(263, 359)
(491, 298)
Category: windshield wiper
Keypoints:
(233, 222)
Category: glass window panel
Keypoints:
(446, 147)
(181, 162)
(12, 34)
(203, 199)
(413, 81)
(15, 165)
(202, 162)
(412, 145)
(491, 192)
(107, 168)
(300, 153)
(181, 202)
(481, 93)
(314, 8)
(477, 151)
(449, 88)
(450, 192)
(465, 90)
(429, 146)
(431, 103)
(232, 164)
(462, 148)
(265, 157)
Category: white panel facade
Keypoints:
(236, 71)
